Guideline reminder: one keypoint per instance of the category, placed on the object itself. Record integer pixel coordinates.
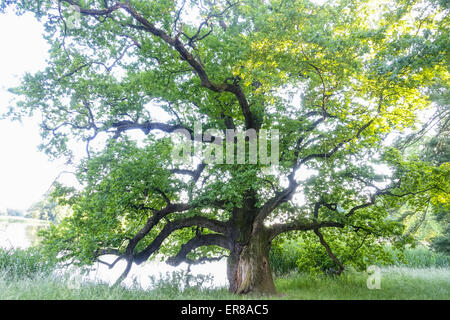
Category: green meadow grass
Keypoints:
(25, 274)
(396, 283)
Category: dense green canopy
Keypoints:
(335, 79)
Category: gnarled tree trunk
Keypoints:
(249, 269)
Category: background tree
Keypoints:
(15, 213)
(441, 243)
(437, 152)
(47, 209)
(334, 79)
(431, 144)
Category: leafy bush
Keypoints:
(288, 256)
(25, 263)
(293, 256)
(296, 255)
(315, 260)
(304, 253)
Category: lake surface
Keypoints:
(22, 233)
(16, 232)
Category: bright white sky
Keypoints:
(25, 173)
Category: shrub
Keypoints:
(289, 256)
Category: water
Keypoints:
(22, 233)
(214, 273)
(19, 232)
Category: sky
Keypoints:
(25, 173)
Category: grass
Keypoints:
(24, 263)
(24, 275)
(396, 283)
(54, 288)
(422, 257)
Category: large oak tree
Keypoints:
(334, 78)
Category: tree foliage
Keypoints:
(335, 79)
(430, 144)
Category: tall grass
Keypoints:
(396, 283)
(54, 288)
(24, 263)
(422, 257)
(27, 274)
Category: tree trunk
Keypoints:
(249, 269)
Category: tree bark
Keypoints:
(248, 267)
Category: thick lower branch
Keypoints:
(214, 225)
(194, 243)
(152, 221)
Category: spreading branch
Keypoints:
(175, 43)
(329, 251)
(169, 228)
(194, 243)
